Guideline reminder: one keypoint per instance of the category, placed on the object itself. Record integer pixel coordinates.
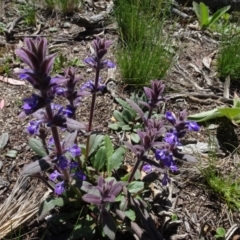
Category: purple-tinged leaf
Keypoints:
(101, 181)
(37, 166)
(135, 107)
(109, 226)
(69, 139)
(91, 198)
(47, 64)
(74, 125)
(86, 186)
(116, 189)
(131, 147)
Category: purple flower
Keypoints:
(165, 180)
(147, 168)
(79, 175)
(100, 47)
(73, 166)
(75, 150)
(165, 157)
(60, 188)
(33, 127)
(63, 162)
(53, 176)
(192, 126)
(34, 103)
(171, 138)
(89, 85)
(69, 111)
(108, 64)
(171, 117)
(60, 91)
(58, 119)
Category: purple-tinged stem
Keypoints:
(134, 170)
(92, 109)
(56, 139)
(150, 113)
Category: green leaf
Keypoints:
(126, 128)
(95, 142)
(220, 232)
(196, 8)
(236, 101)
(3, 140)
(231, 113)
(135, 137)
(100, 158)
(109, 146)
(137, 175)
(125, 177)
(118, 116)
(124, 104)
(127, 116)
(85, 228)
(37, 146)
(204, 116)
(124, 204)
(218, 14)
(135, 187)
(115, 161)
(114, 126)
(204, 11)
(49, 204)
(174, 217)
(130, 214)
(11, 154)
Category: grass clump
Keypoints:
(65, 6)
(144, 52)
(226, 185)
(229, 58)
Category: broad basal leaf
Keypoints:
(37, 146)
(115, 161)
(95, 142)
(100, 158)
(49, 204)
(135, 187)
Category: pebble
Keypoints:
(66, 25)
(89, 70)
(76, 49)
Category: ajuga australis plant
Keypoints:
(85, 175)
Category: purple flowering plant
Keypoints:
(86, 174)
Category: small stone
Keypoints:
(66, 25)
(89, 70)
(76, 49)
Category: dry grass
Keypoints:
(21, 205)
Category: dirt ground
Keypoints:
(191, 84)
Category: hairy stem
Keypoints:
(134, 169)
(56, 139)
(92, 110)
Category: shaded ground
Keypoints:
(190, 84)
